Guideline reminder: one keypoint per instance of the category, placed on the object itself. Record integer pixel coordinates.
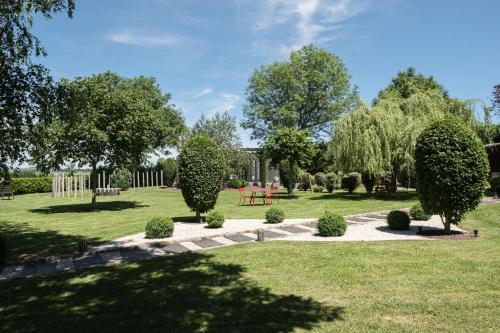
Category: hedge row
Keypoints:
(31, 185)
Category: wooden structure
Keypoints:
(68, 186)
(6, 190)
(147, 179)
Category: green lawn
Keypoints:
(38, 225)
(392, 286)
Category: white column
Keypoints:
(143, 180)
(133, 179)
(161, 177)
(98, 181)
(103, 178)
(156, 174)
(147, 179)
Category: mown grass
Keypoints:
(390, 286)
(37, 225)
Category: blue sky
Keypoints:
(203, 52)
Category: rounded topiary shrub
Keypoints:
(215, 219)
(419, 214)
(306, 181)
(201, 172)
(495, 185)
(331, 224)
(398, 220)
(320, 179)
(369, 181)
(318, 189)
(351, 181)
(275, 215)
(452, 168)
(330, 180)
(159, 227)
(121, 179)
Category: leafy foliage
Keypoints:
(308, 92)
(236, 183)
(318, 189)
(159, 227)
(275, 215)
(121, 178)
(495, 185)
(31, 185)
(351, 181)
(330, 181)
(306, 181)
(290, 145)
(201, 171)
(369, 181)
(398, 220)
(288, 176)
(215, 219)
(25, 87)
(169, 168)
(418, 213)
(496, 99)
(320, 179)
(331, 224)
(452, 168)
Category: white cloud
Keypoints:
(203, 91)
(226, 103)
(309, 21)
(142, 37)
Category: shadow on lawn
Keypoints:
(398, 196)
(26, 243)
(186, 293)
(87, 207)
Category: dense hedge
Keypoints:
(121, 179)
(351, 181)
(159, 227)
(398, 220)
(31, 185)
(318, 189)
(275, 215)
(215, 219)
(330, 180)
(201, 172)
(306, 181)
(320, 179)
(369, 181)
(169, 168)
(452, 168)
(236, 183)
(331, 224)
(419, 214)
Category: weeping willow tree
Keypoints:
(383, 138)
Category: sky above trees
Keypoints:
(203, 52)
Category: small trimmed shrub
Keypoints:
(495, 185)
(236, 183)
(398, 220)
(121, 179)
(306, 181)
(287, 179)
(318, 189)
(320, 179)
(4, 251)
(331, 224)
(330, 180)
(419, 214)
(159, 227)
(351, 181)
(369, 181)
(31, 185)
(275, 215)
(215, 219)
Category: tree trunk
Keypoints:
(394, 182)
(290, 178)
(198, 217)
(447, 224)
(94, 184)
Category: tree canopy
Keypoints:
(309, 91)
(24, 86)
(106, 119)
(495, 107)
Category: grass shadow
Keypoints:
(87, 207)
(356, 196)
(26, 243)
(187, 219)
(187, 293)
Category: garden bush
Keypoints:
(169, 168)
(406, 179)
(122, 179)
(286, 178)
(236, 183)
(419, 214)
(31, 185)
(398, 220)
(320, 179)
(215, 219)
(351, 181)
(331, 224)
(306, 181)
(369, 181)
(201, 171)
(330, 180)
(495, 185)
(275, 215)
(159, 227)
(318, 189)
(452, 168)
(4, 250)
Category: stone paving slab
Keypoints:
(377, 216)
(111, 257)
(46, 269)
(175, 248)
(64, 264)
(359, 219)
(239, 238)
(191, 246)
(272, 234)
(135, 255)
(224, 240)
(207, 243)
(294, 230)
(88, 261)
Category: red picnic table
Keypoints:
(266, 197)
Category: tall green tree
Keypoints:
(25, 86)
(309, 91)
(106, 119)
(292, 146)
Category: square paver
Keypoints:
(12, 272)
(135, 255)
(88, 261)
(377, 216)
(111, 257)
(311, 224)
(239, 238)
(175, 248)
(272, 234)
(294, 230)
(206, 243)
(359, 219)
(46, 268)
(64, 264)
